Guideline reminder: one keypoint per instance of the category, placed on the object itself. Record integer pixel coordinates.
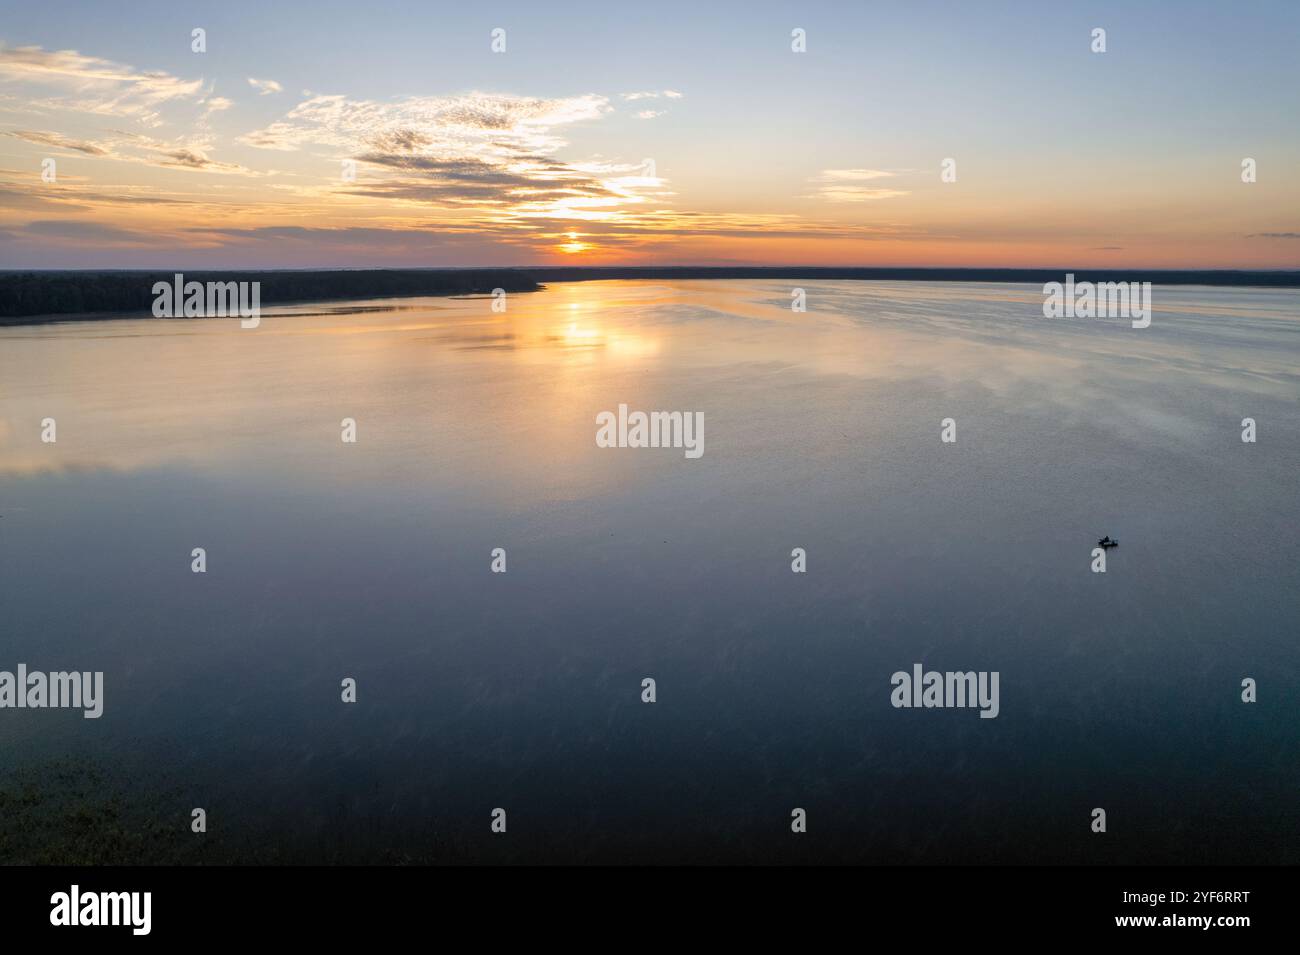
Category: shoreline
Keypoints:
(30, 297)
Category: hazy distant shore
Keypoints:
(35, 297)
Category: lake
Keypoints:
(475, 430)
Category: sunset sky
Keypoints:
(758, 155)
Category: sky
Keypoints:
(392, 134)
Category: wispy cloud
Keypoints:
(74, 81)
(84, 230)
(492, 151)
(471, 121)
(59, 140)
(265, 87)
(193, 159)
(845, 185)
(133, 147)
(470, 171)
(652, 94)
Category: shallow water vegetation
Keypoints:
(71, 813)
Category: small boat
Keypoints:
(1107, 542)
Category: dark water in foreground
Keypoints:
(478, 690)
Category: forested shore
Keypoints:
(33, 297)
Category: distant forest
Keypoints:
(28, 297)
(27, 294)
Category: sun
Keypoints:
(573, 246)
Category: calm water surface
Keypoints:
(476, 690)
